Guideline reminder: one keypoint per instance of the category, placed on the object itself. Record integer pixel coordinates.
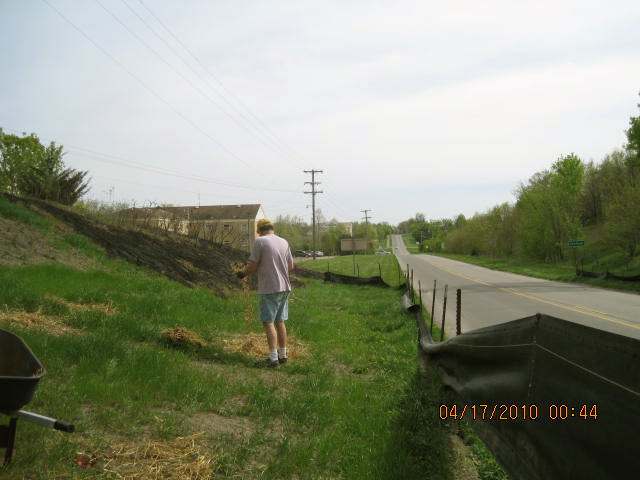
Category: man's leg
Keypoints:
(268, 310)
(281, 330)
(272, 336)
(282, 315)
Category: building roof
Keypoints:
(211, 212)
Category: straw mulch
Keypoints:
(183, 458)
(107, 308)
(183, 337)
(255, 345)
(36, 320)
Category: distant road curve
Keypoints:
(490, 297)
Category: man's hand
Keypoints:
(250, 269)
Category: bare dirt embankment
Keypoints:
(171, 255)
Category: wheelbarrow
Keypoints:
(20, 372)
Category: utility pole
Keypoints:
(313, 194)
(366, 221)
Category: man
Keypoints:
(272, 260)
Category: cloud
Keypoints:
(448, 105)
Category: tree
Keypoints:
(29, 168)
(17, 156)
(548, 209)
(633, 141)
(623, 223)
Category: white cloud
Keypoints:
(398, 102)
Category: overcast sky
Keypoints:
(438, 107)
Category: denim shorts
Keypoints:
(274, 307)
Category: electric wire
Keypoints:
(246, 118)
(160, 57)
(147, 87)
(218, 81)
(116, 160)
(163, 100)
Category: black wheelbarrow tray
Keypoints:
(20, 372)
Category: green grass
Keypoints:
(365, 265)
(410, 243)
(21, 214)
(79, 244)
(348, 411)
(355, 408)
(562, 272)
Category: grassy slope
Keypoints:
(367, 265)
(410, 243)
(354, 409)
(562, 272)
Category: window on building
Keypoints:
(226, 227)
(244, 228)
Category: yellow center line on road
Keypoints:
(571, 307)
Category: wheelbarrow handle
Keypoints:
(46, 421)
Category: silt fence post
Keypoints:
(458, 311)
(433, 305)
(444, 312)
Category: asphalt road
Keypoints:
(490, 297)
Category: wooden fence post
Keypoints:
(444, 312)
(458, 311)
(354, 261)
(413, 292)
(433, 305)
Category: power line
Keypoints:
(161, 187)
(116, 160)
(204, 79)
(163, 100)
(366, 221)
(345, 216)
(147, 87)
(122, 161)
(175, 70)
(313, 194)
(366, 216)
(150, 168)
(267, 130)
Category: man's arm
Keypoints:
(290, 263)
(252, 262)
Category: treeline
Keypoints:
(29, 168)
(572, 200)
(329, 233)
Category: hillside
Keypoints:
(159, 376)
(35, 231)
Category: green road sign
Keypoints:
(576, 243)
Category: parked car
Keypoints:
(383, 252)
(319, 253)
